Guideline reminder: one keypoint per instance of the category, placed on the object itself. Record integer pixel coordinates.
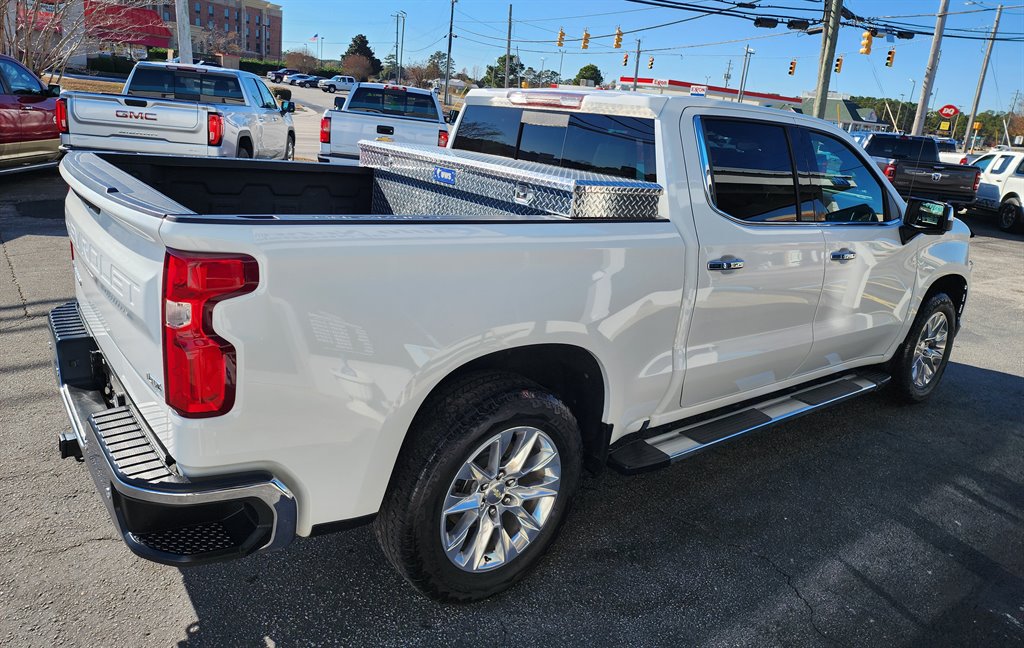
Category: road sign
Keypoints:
(698, 91)
(944, 126)
(949, 110)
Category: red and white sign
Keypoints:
(698, 91)
(949, 110)
(660, 83)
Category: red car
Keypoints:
(28, 119)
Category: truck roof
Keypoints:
(183, 66)
(394, 86)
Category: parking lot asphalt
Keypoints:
(871, 524)
(313, 102)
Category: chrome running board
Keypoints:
(684, 440)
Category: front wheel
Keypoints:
(1011, 216)
(289, 149)
(331, 89)
(919, 364)
(485, 481)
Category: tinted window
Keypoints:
(611, 145)
(159, 83)
(835, 185)
(946, 147)
(19, 80)
(983, 162)
(394, 102)
(902, 147)
(751, 171)
(1001, 164)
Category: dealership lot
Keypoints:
(869, 524)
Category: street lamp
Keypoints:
(913, 84)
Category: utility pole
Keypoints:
(728, 73)
(448, 59)
(396, 46)
(508, 45)
(401, 51)
(747, 53)
(930, 69)
(184, 31)
(561, 56)
(969, 135)
(829, 36)
(636, 64)
(519, 72)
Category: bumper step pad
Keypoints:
(683, 440)
(128, 446)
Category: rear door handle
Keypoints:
(844, 255)
(723, 265)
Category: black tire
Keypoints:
(289, 148)
(332, 89)
(1011, 216)
(902, 364)
(443, 437)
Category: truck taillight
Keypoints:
(325, 130)
(62, 116)
(214, 129)
(199, 366)
(963, 161)
(442, 138)
(890, 171)
(977, 180)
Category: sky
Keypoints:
(700, 48)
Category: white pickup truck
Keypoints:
(1002, 187)
(386, 113)
(440, 340)
(174, 109)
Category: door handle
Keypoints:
(385, 130)
(723, 265)
(844, 255)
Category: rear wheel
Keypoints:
(482, 486)
(919, 364)
(1011, 216)
(289, 149)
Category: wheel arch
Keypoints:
(954, 285)
(244, 137)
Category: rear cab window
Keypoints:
(395, 102)
(606, 144)
(899, 147)
(185, 85)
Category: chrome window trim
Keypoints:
(705, 164)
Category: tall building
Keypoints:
(254, 26)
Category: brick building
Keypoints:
(253, 25)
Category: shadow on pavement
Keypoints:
(873, 523)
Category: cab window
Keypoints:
(751, 170)
(983, 162)
(19, 80)
(835, 185)
(1001, 164)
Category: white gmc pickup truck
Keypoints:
(439, 341)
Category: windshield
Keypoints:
(902, 148)
(607, 144)
(187, 85)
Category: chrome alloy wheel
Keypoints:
(500, 499)
(930, 349)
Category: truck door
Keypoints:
(759, 273)
(27, 126)
(869, 272)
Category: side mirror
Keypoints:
(53, 89)
(287, 107)
(451, 116)
(926, 217)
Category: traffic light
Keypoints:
(625, 59)
(561, 38)
(889, 57)
(865, 42)
(792, 67)
(839, 65)
(650, 63)
(586, 40)
(618, 37)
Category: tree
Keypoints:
(436, 65)
(417, 74)
(389, 69)
(589, 72)
(45, 35)
(361, 47)
(494, 77)
(301, 61)
(357, 65)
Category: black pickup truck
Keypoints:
(913, 166)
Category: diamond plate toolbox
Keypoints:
(430, 181)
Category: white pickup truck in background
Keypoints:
(440, 340)
(382, 112)
(174, 109)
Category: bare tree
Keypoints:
(301, 61)
(417, 74)
(45, 35)
(357, 65)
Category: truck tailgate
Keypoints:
(348, 127)
(125, 118)
(118, 271)
(945, 179)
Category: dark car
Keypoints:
(277, 75)
(28, 119)
(914, 168)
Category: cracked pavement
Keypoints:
(869, 524)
